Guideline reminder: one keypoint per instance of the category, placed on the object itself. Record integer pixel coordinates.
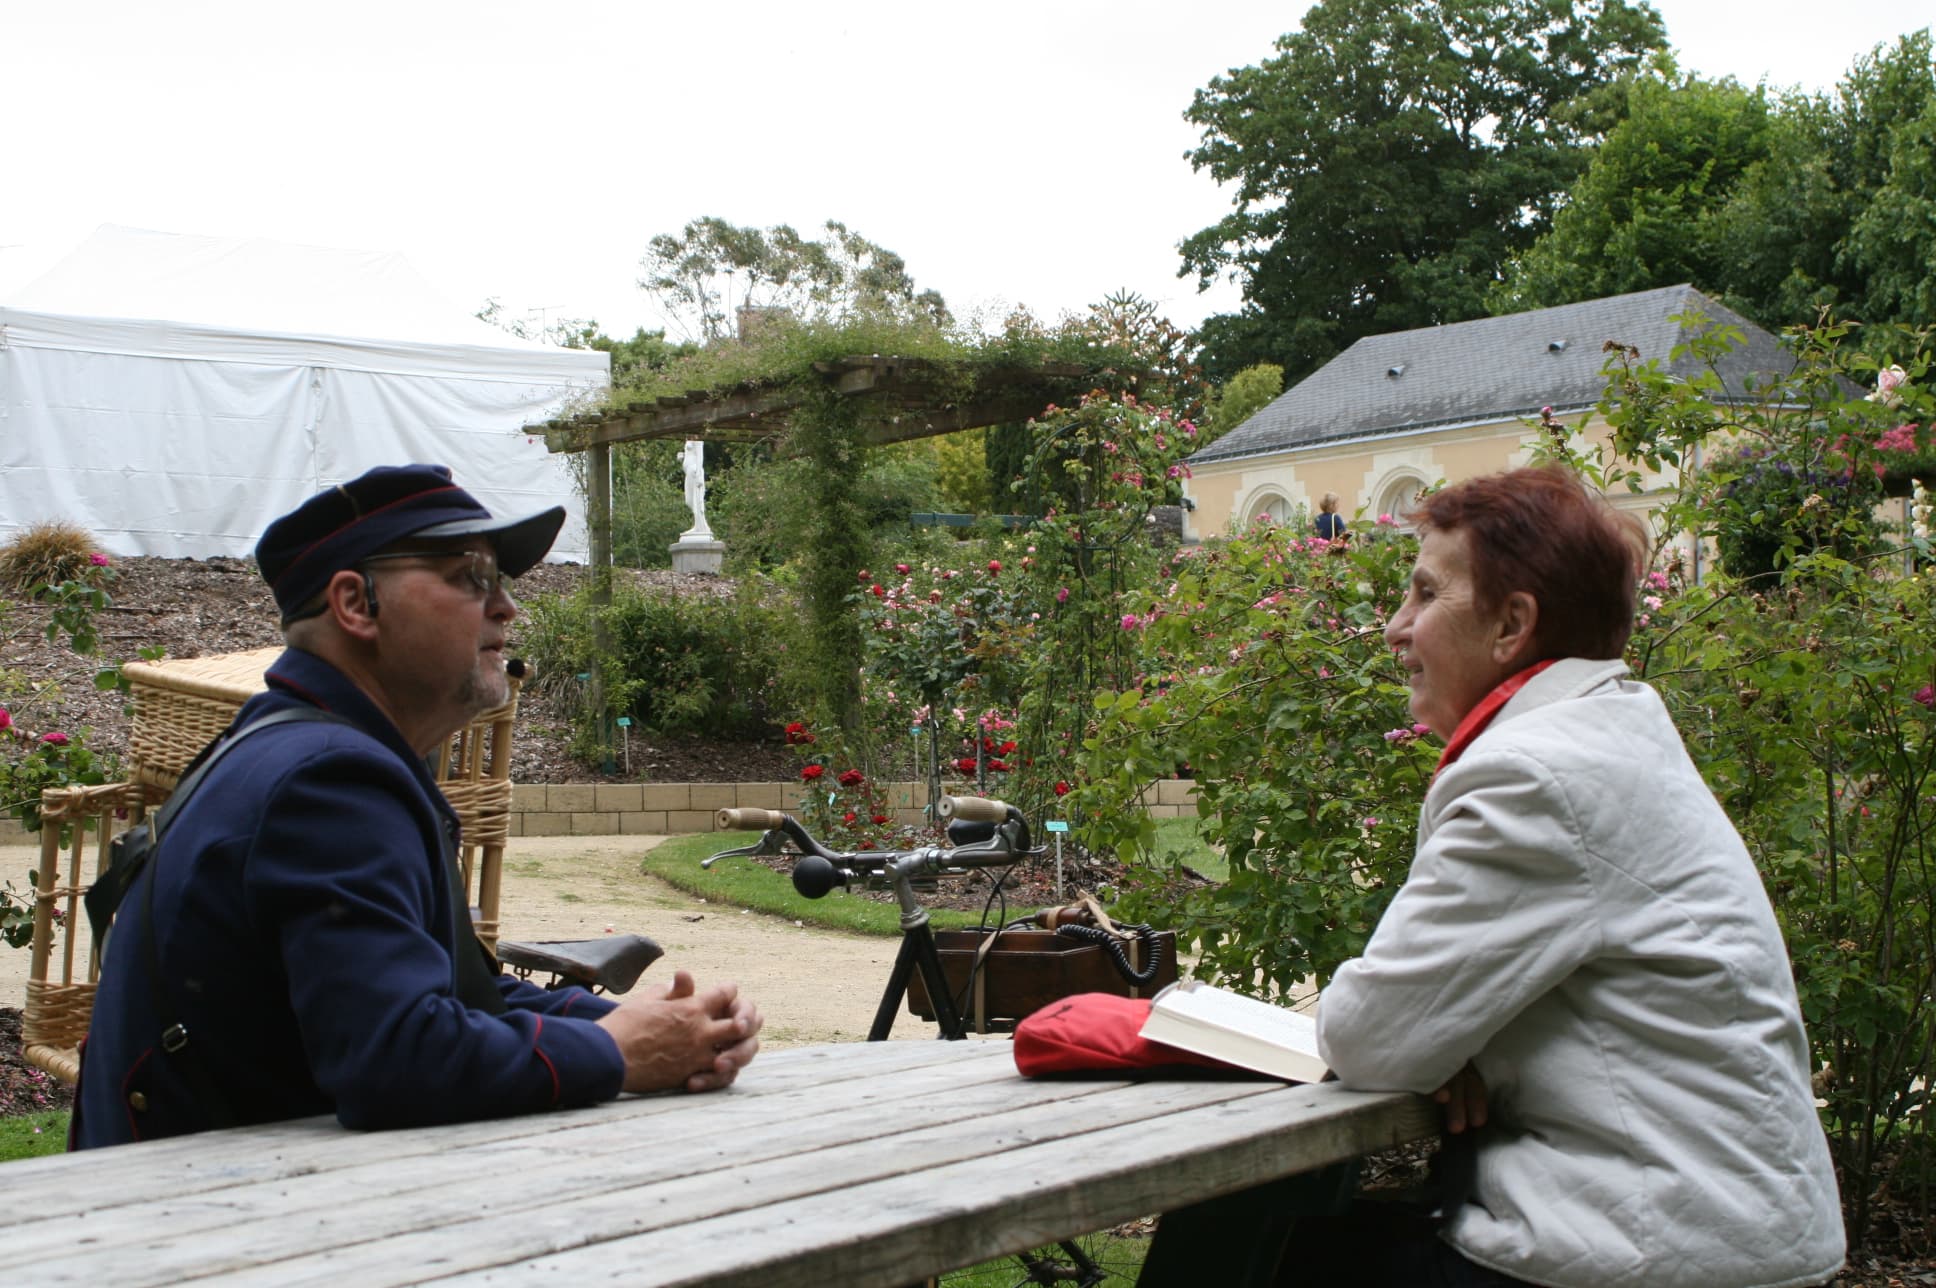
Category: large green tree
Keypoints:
(711, 265)
(1778, 204)
(1392, 157)
(1648, 211)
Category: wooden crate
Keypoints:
(1024, 971)
(179, 705)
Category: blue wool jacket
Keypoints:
(308, 941)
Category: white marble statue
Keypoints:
(694, 459)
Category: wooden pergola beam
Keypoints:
(759, 411)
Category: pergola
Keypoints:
(900, 399)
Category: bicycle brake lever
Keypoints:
(769, 846)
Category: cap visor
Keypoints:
(520, 543)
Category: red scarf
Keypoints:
(1479, 717)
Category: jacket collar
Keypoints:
(308, 678)
(1538, 685)
(1570, 677)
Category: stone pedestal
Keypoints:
(698, 554)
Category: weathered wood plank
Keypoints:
(855, 1163)
(901, 1229)
(763, 1189)
(76, 1184)
(166, 1239)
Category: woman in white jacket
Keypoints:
(1582, 964)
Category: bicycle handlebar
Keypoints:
(748, 820)
(973, 809)
(818, 869)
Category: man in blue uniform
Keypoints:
(303, 948)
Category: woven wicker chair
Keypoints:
(76, 825)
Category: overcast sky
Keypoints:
(1012, 152)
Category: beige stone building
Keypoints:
(1396, 413)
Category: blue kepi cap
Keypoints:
(340, 527)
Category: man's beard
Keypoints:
(481, 691)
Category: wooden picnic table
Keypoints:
(857, 1164)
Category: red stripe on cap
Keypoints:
(334, 533)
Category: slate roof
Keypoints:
(1490, 369)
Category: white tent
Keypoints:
(173, 394)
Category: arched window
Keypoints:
(1272, 507)
(1399, 499)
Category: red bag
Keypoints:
(1096, 1033)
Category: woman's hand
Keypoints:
(1464, 1098)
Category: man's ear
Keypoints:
(1518, 620)
(349, 605)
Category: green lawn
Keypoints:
(31, 1135)
(743, 883)
(1179, 836)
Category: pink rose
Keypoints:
(1925, 695)
(55, 739)
(6, 719)
(98, 559)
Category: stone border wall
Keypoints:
(673, 809)
(660, 809)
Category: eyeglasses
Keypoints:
(480, 569)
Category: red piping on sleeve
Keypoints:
(536, 1037)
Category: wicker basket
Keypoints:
(180, 705)
(77, 824)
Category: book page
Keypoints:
(1223, 1009)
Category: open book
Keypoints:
(1240, 1030)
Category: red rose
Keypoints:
(994, 565)
(811, 772)
(882, 818)
(876, 590)
(849, 817)
(852, 778)
(998, 766)
(1062, 789)
(903, 569)
(1008, 747)
(966, 764)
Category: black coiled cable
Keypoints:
(1152, 949)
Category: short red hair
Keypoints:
(1540, 530)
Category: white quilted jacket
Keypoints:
(1583, 923)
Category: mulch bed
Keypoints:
(205, 607)
(23, 1088)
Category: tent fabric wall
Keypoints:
(183, 439)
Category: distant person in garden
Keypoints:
(1331, 525)
(299, 944)
(1582, 966)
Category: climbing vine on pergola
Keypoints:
(829, 411)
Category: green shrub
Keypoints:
(1771, 509)
(1264, 672)
(49, 554)
(673, 664)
